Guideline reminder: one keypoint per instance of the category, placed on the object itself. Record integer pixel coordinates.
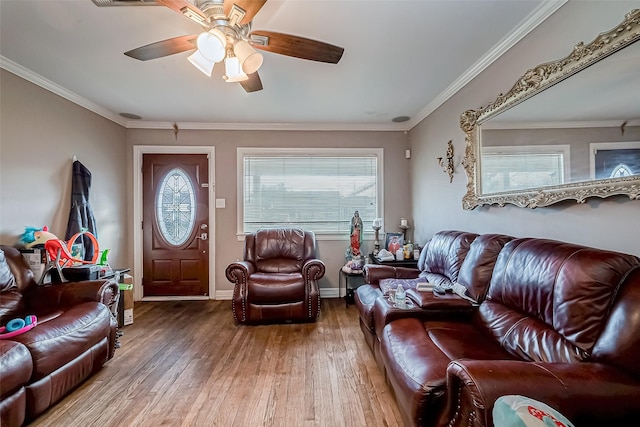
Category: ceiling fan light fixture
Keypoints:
(233, 71)
(201, 63)
(250, 59)
(212, 45)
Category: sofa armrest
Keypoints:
(313, 269)
(373, 273)
(586, 393)
(68, 294)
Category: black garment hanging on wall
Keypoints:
(81, 215)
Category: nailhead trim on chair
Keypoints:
(240, 288)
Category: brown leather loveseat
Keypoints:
(559, 323)
(74, 336)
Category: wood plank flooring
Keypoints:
(187, 364)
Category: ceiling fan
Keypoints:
(228, 37)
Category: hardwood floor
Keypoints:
(188, 364)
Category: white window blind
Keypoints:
(523, 167)
(318, 190)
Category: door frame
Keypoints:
(138, 152)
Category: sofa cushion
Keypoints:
(443, 256)
(11, 306)
(548, 300)
(279, 250)
(276, 288)
(477, 268)
(416, 355)
(61, 339)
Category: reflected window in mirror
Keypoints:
(519, 167)
(614, 159)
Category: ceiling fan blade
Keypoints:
(250, 8)
(192, 11)
(253, 83)
(298, 47)
(164, 48)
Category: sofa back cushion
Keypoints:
(279, 250)
(549, 301)
(441, 258)
(24, 279)
(477, 268)
(619, 343)
(7, 281)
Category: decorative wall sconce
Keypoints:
(447, 164)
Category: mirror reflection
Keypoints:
(568, 129)
(583, 128)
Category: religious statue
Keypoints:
(356, 236)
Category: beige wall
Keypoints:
(40, 133)
(612, 223)
(229, 248)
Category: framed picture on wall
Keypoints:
(394, 242)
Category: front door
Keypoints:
(175, 227)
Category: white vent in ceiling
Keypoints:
(125, 2)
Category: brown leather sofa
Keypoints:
(75, 335)
(278, 279)
(441, 262)
(559, 323)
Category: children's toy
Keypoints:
(35, 236)
(59, 254)
(18, 326)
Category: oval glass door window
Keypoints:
(176, 207)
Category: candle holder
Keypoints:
(447, 163)
(377, 225)
(404, 226)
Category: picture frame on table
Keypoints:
(394, 241)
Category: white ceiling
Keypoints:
(402, 58)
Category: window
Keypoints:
(314, 189)
(175, 207)
(528, 167)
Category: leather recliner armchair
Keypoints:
(277, 281)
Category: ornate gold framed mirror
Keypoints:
(567, 130)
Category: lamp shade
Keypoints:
(233, 71)
(250, 59)
(201, 63)
(212, 45)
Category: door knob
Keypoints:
(202, 236)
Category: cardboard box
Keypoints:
(37, 260)
(126, 293)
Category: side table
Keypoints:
(349, 277)
(409, 263)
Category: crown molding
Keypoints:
(36, 79)
(370, 127)
(535, 18)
